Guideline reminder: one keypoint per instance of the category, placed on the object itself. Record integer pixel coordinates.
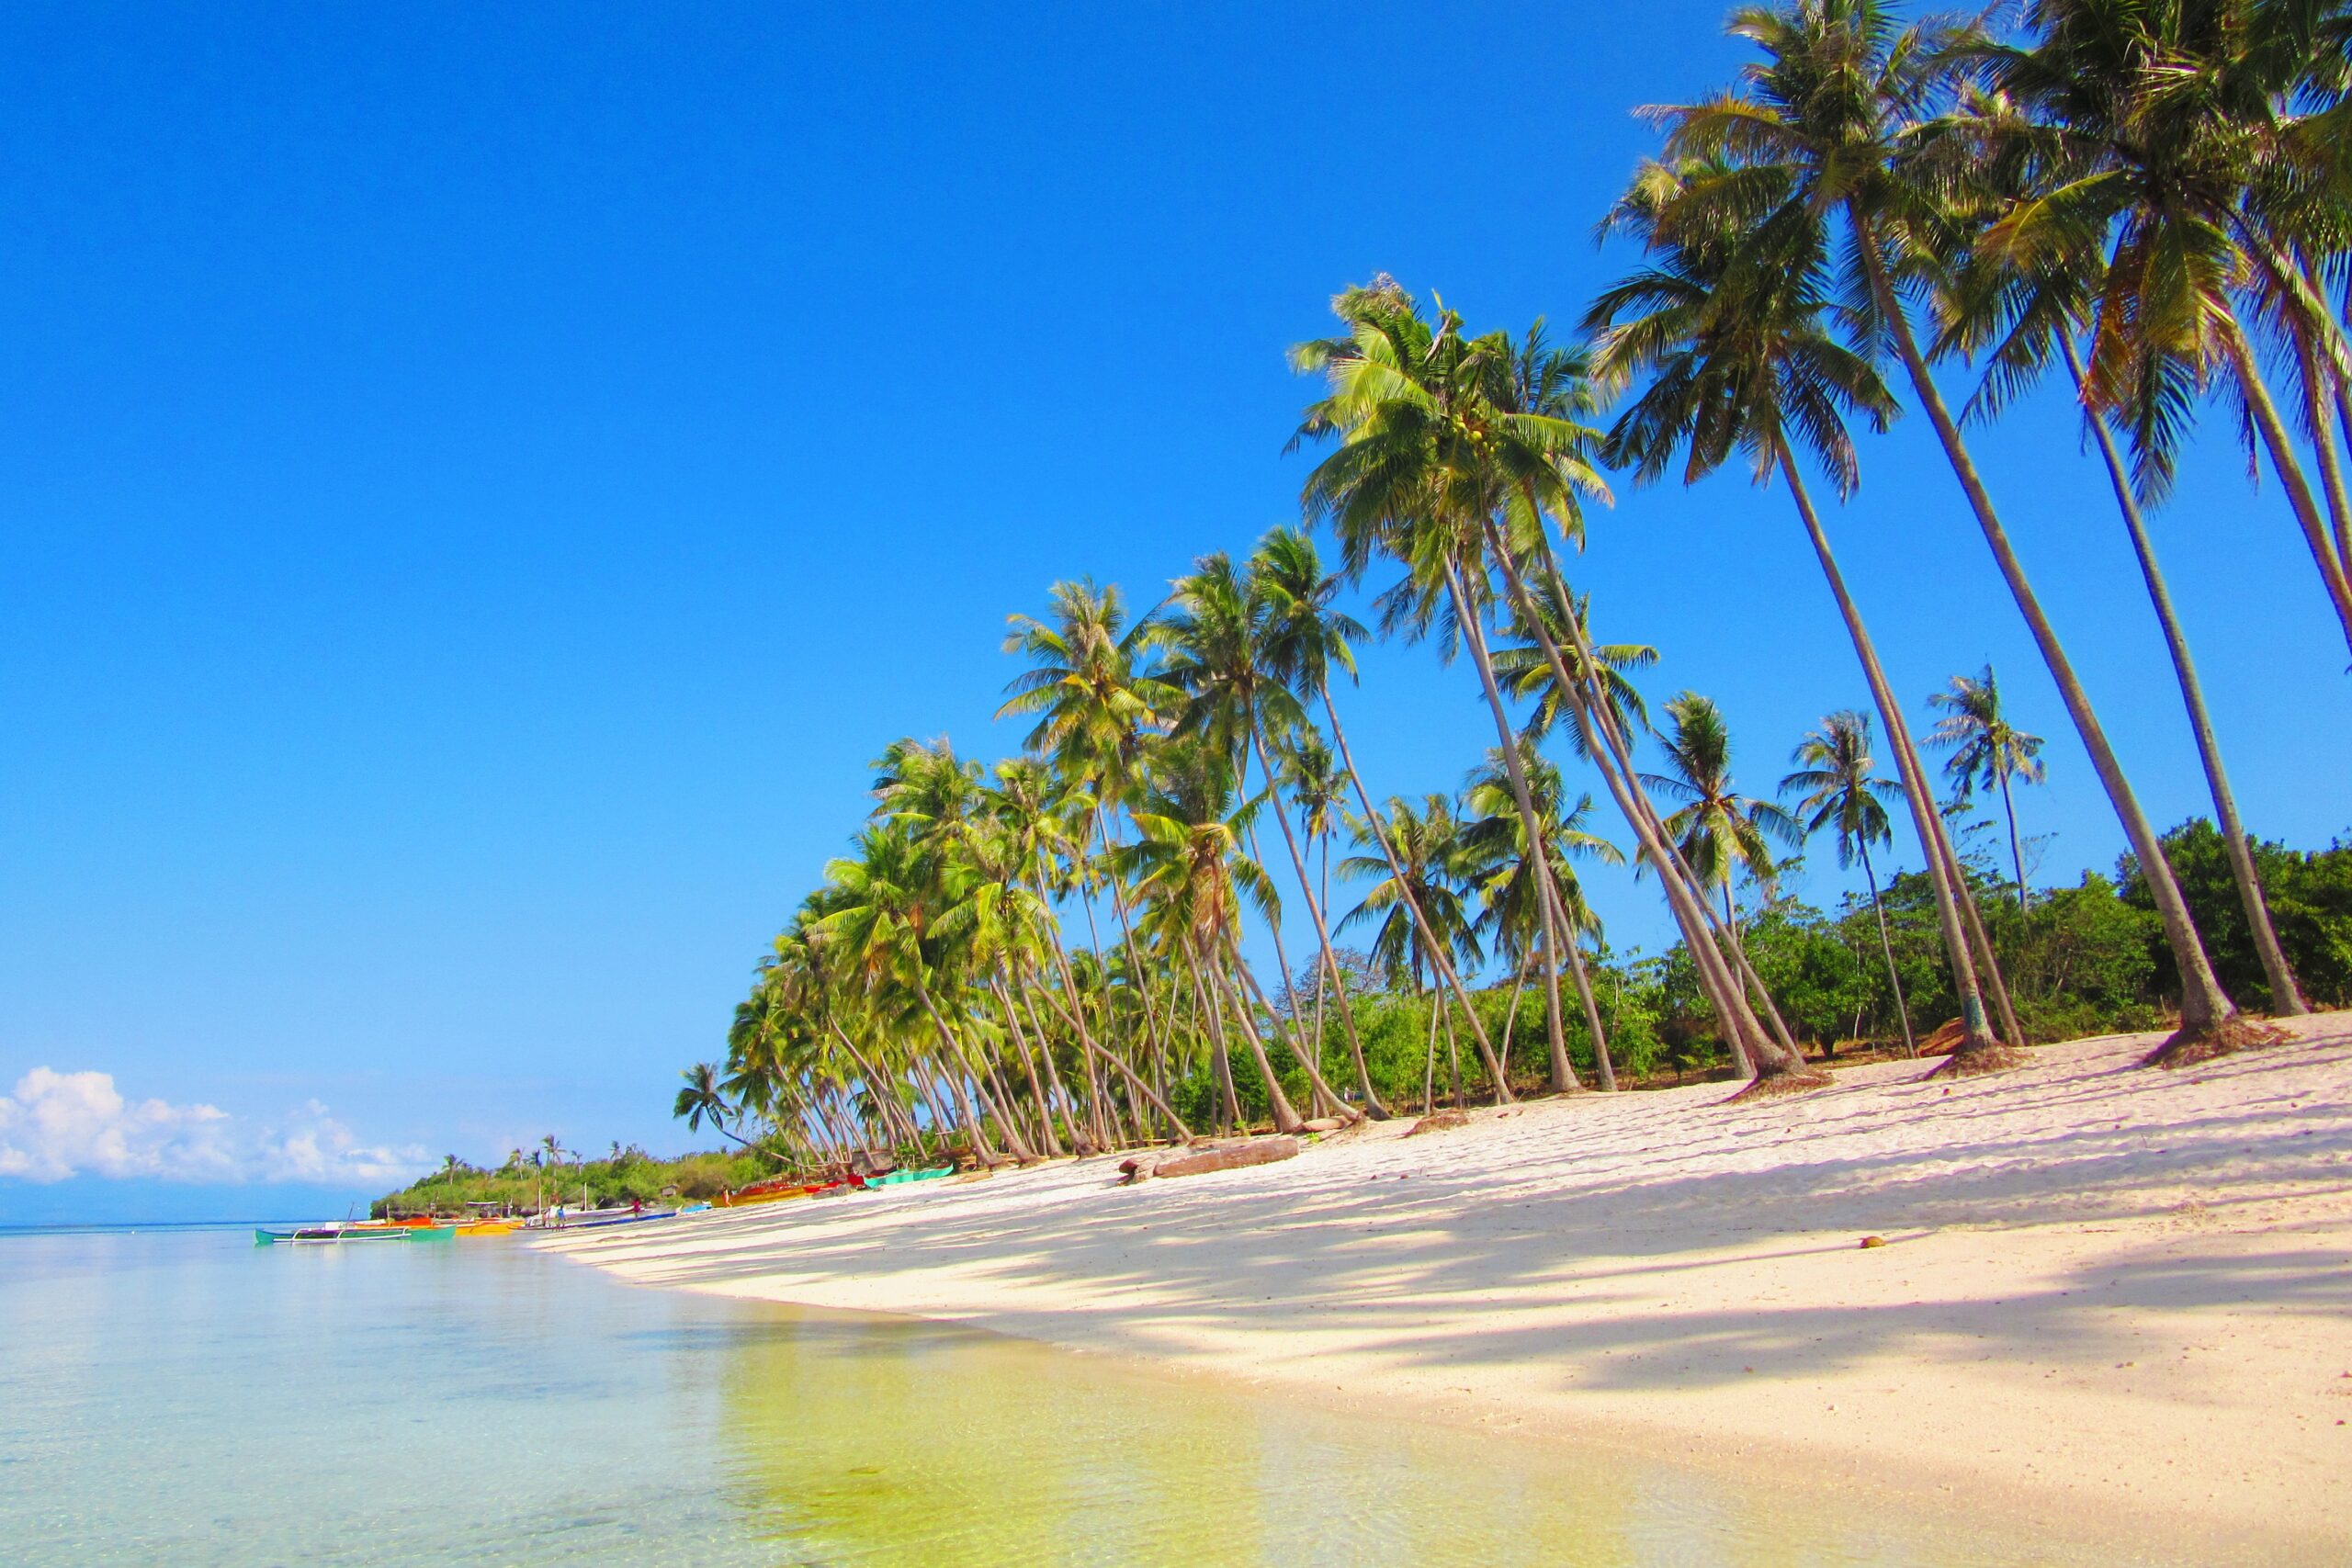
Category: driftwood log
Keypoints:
(1200, 1161)
(1439, 1122)
(1944, 1041)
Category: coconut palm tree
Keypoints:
(1304, 637)
(1842, 792)
(1456, 456)
(1212, 633)
(2022, 308)
(1986, 751)
(1718, 829)
(1422, 869)
(1833, 107)
(1096, 700)
(1318, 787)
(1190, 864)
(1034, 812)
(1496, 846)
(2173, 170)
(1726, 318)
(702, 1101)
(1525, 671)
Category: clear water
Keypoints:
(188, 1398)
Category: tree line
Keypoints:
(2148, 199)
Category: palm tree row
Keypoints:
(2154, 193)
(2123, 187)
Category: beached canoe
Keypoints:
(609, 1219)
(776, 1195)
(900, 1178)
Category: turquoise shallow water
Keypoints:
(184, 1397)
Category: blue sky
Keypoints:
(480, 483)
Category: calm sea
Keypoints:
(184, 1397)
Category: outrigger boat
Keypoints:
(336, 1232)
(489, 1227)
(765, 1192)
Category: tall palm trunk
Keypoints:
(1324, 1093)
(1285, 1115)
(1428, 1069)
(1396, 872)
(1329, 964)
(874, 1081)
(2286, 997)
(1328, 978)
(1212, 1019)
(1472, 621)
(1061, 1094)
(1322, 1098)
(1094, 943)
(2332, 567)
(1989, 971)
(1000, 1104)
(1518, 989)
(1773, 1066)
(2209, 1021)
(1886, 947)
(1977, 1042)
(1152, 1035)
(1730, 982)
(2016, 849)
(1602, 1063)
(952, 1061)
(1075, 1013)
(1052, 1143)
(2319, 383)
(1073, 1008)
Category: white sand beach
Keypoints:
(2106, 1292)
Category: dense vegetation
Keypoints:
(553, 1175)
(2153, 201)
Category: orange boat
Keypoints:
(750, 1195)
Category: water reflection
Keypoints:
(880, 1444)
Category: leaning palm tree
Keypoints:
(1842, 792)
(1987, 750)
(1190, 864)
(1497, 848)
(1095, 699)
(1457, 457)
(2021, 307)
(1726, 317)
(702, 1101)
(1216, 657)
(1832, 111)
(1419, 909)
(1718, 829)
(1317, 788)
(2176, 171)
(1304, 637)
(1280, 628)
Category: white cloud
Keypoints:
(61, 1124)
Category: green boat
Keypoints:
(900, 1178)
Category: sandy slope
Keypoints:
(2107, 1292)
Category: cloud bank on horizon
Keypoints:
(56, 1126)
